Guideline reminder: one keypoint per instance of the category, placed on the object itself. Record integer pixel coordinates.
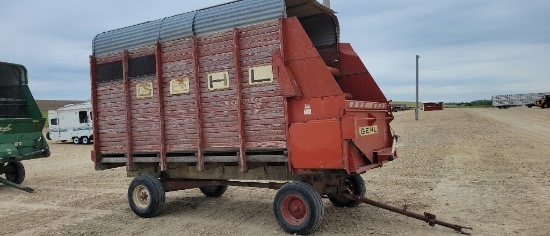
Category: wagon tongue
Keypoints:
(427, 217)
(14, 185)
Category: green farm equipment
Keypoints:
(21, 125)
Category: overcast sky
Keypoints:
(469, 49)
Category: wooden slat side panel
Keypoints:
(111, 116)
(218, 106)
(180, 109)
(145, 125)
(263, 104)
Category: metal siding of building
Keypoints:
(209, 20)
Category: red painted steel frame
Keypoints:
(128, 97)
(160, 92)
(238, 78)
(93, 77)
(200, 135)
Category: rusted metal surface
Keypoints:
(355, 78)
(316, 145)
(427, 217)
(305, 62)
(175, 185)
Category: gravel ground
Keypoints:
(484, 168)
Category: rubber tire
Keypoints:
(85, 140)
(152, 187)
(16, 172)
(307, 195)
(213, 191)
(357, 185)
(76, 140)
(545, 105)
(48, 136)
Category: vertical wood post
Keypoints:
(160, 92)
(127, 99)
(95, 120)
(240, 115)
(200, 135)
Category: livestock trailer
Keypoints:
(21, 125)
(255, 93)
(71, 122)
(513, 100)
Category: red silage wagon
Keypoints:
(229, 95)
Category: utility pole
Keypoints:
(416, 112)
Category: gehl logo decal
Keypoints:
(5, 129)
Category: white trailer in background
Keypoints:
(71, 122)
(516, 100)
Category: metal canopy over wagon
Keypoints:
(248, 90)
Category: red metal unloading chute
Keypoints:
(332, 126)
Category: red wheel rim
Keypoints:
(294, 209)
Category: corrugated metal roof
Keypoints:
(208, 20)
(218, 18)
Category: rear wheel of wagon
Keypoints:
(356, 184)
(76, 140)
(15, 172)
(298, 208)
(84, 140)
(213, 191)
(146, 196)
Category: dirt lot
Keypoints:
(485, 168)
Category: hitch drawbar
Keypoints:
(427, 217)
(14, 185)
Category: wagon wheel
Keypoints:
(15, 172)
(84, 140)
(298, 208)
(356, 184)
(76, 140)
(146, 196)
(213, 191)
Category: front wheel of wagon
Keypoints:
(298, 208)
(356, 185)
(213, 191)
(15, 172)
(146, 196)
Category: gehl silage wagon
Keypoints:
(255, 93)
(21, 125)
